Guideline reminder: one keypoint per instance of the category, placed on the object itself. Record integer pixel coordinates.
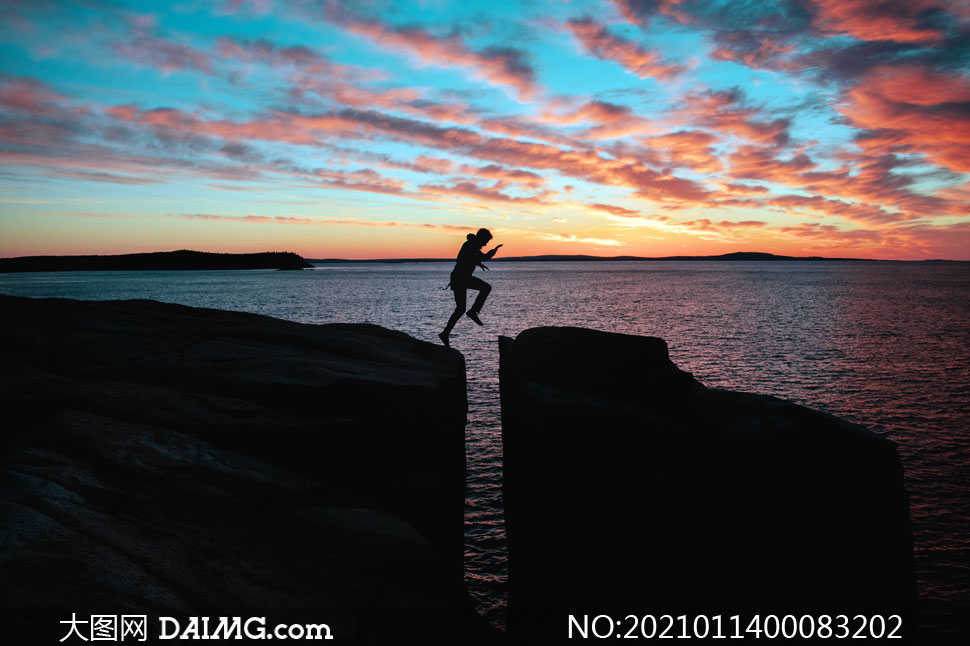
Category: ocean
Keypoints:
(885, 344)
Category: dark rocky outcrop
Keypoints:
(628, 484)
(164, 458)
(155, 261)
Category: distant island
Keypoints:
(162, 260)
(738, 255)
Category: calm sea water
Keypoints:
(883, 344)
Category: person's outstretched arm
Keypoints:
(488, 256)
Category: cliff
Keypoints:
(628, 484)
(171, 459)
(156, 261)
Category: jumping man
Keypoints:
(469, 257)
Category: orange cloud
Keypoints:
(567, 237)
(485, 193)
(723, 112)
(361, 180)
(611, 120)
(519, 127)
(280, 219)
(754, 49)
(831, 233)
(515, 175)
(859, 212)
(750, 162)
(597, 41)
(348, 123)
(901, 22)
(503, 66)
(593, 111)
(911, 108)
(433, 164)
(916, 85)
(706, 224)
(639, 12)
(616, 210)
(690, 148)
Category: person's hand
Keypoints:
(497, 247)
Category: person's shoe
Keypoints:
(474, 316)
(444, 339)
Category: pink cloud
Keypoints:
(743, 189)
(754, 49)
(279, 219)
(616, 210)
(569, 237)
(592, 111)
(167, 55)
(863, 190)
(688, 148)
(705, 224)
(610, 120)
(111, 178)
(514, 175)
(313, 129)
(366, 180)
(859, 212)
(724, 112)
(639, 12)
(596, 40)
(485, 193)
(434, 164)
(831, 233)
(901, 22)
(750, 162)
(503, 66)
(30, 96)
(298, 57)
(259, 7)
(913, 109)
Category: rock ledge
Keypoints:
(629, 484)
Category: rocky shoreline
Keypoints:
(672, 495)
(170, 459)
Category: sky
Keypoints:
(390, 129)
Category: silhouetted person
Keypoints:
(469, 257)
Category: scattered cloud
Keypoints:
(597, 41)
(566, 237)
(845, 125)
(502, 66)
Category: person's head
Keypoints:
(483, 236)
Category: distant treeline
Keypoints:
(162, 260)
(740, 255)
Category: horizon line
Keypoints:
(726, 257)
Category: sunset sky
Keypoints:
(390, 129)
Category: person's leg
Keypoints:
(460, 303)
(483, 291)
